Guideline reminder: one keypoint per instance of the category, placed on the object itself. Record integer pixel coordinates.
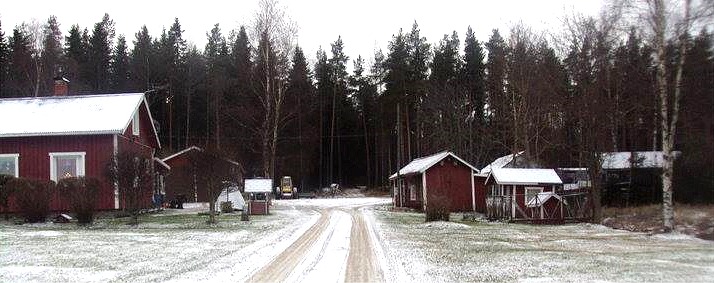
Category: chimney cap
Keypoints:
(61, 78)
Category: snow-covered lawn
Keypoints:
(177, 246)
(482, 251)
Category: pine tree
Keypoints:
(51, 55)
(3, 62)
(141, 68)
(100, 51)
(21, 71)
(497, 112)
(472, 79)
(216, 53)
(447, 63)
(75, 59)
(120, 66)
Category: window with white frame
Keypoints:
(66, 165)
(9, 164)
(532, 193)
(135, 125)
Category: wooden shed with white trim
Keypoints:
(438, 179)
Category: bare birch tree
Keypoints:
(274, 33)
(670, 22)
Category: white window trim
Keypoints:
(80, 164)
(17, 162)
(135, 125)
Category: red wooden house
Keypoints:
(182, 180)
(442, 178)
(64, 136)
(524, 194)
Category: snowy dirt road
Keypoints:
(338, 247)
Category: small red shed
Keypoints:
(439, 179)
(524, 194)
(65, 136)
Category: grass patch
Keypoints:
(695, 220)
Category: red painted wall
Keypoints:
(480, 187)
(450, 180)
(35, 161)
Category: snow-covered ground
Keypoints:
(482, 251)
(177, 246)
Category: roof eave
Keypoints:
(21, 135)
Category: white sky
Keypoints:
(364, 25)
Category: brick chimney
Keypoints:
(61, 86)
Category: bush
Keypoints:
(5, 193)
(226, 207)
(32, 197)
(81, 193)
(437, 209)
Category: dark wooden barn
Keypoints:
(182, 181)
(50, 138)
(441, 179)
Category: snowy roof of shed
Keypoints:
(420, 165)
(258, 185)
(499, 163)
(523, 176)
(69, 115)
(200, 150)
(624, 160)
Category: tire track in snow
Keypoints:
(281, 266)
(362, 262)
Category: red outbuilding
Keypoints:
(524, 194)
(50, 138)
(439, 179)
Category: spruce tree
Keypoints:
(120, 66)
(473, 73)
(141, 68)
(100, 51)
(51, 55)
(3, 62)
(75, 52)
(21, 69)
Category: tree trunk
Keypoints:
(366, 148)
(668, 117)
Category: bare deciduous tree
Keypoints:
(274, 33)
(669, 21)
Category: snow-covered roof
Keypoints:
(199, 149)
(420, 165)
(69, 115)
(499, 163)
(523, 176)
(542, 198)
(162, 163)
(624, 160)
(258, 185)
(181, 152)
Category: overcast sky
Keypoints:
(364, 25)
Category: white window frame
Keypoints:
(17, 162)
(525, 193)
(135, 125)
(80, 163)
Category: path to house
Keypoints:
(339, 245)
